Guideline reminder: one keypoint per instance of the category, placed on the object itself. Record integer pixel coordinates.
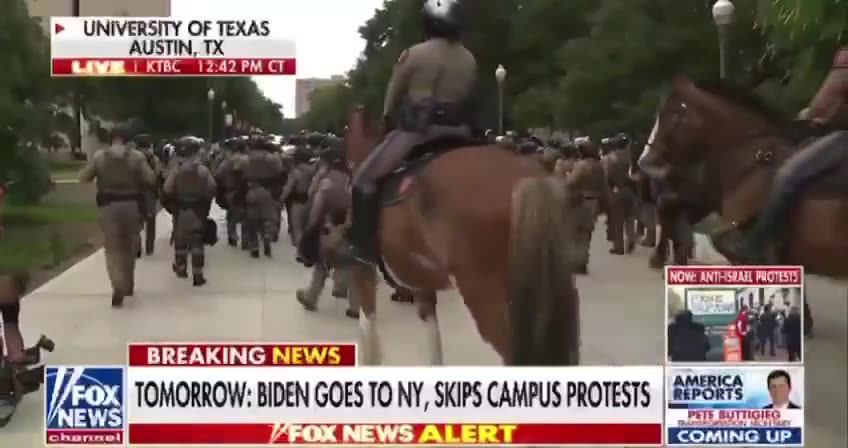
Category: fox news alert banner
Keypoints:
(735, 406)
(313, 394)
(165, 46)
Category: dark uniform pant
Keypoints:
(797, 172)
(386, 157)
(260, 208)
(586, 216)
(188, 240)
(622, 219)
(120, 222)
(235, 218)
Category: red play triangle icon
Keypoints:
(59, 28)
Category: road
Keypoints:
(246, 300)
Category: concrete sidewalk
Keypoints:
(622, 313)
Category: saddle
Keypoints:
(395, 187)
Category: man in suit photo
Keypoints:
(780, 386)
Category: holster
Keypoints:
(105, 198)
(199, 206)
(417, 117)
(221, 197)
(168, 203)
(210, 232)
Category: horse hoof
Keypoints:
(300, 295)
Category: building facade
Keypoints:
(44, 9)
(304, 88)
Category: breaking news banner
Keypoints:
(163, 46)
(313, 394)
(735, 313)
(735, 406)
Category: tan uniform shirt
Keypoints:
(437, 68)
(205, 186)
(118, 169)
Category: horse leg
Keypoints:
(487, 300)
(426, 302)
(364, 287)
(682, 240)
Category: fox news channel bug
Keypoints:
(85, 405)
(255, 394)
(735, 406)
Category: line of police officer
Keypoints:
(600, 180)
(248, 176)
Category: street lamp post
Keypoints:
(723, 17)
(226, 130)
(500, 76)
(77, 100)
(210, 95)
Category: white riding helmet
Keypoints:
(441, 9)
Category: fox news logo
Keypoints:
(84, 405)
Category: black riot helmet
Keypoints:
(316, 140)
(301, 154)
(188, 146)
(120, 134)
(334, 157)
(442, 19)
(622, 141)
(143, 141)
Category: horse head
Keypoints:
(361, 135)
(706, 125)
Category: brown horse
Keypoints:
(491, 224)
(737, 144)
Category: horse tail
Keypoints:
(544, 302)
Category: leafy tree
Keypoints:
(27, 115)
(601, 66)
(329, 108)
(823, 20)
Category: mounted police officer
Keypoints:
(263, 175)
(123, 176)
(229, 177)
(191, 188)
(428, 91)
(587, 190)
(621, 219)
(825, 111)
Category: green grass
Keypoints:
(64, 165)
(48, 214)
(43, 235)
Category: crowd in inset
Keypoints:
(765, 334)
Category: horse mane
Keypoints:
(743, 96)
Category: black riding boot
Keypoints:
(363, 231)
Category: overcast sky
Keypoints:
(325, 32)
